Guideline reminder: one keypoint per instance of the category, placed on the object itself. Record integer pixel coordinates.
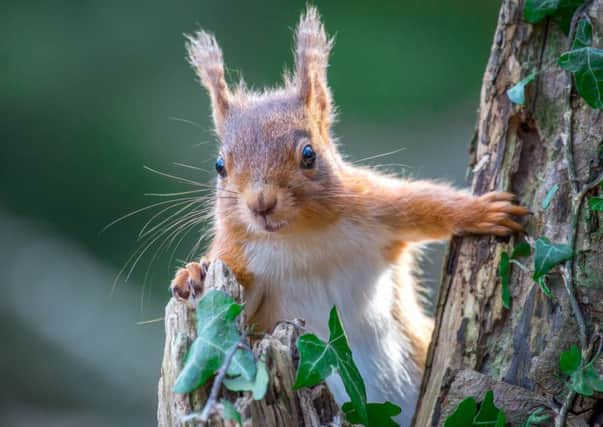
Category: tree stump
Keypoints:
(281, 406)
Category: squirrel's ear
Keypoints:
(205, 56)
(312, 47)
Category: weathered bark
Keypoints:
(282, 406)
(478, 344)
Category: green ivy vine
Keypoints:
(583, 61)
(221, 350)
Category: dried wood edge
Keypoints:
(282, 406)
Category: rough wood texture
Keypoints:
(517, 401)
(280, 407)
(522, 150)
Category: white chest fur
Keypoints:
(343, 267)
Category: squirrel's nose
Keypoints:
(263, 204)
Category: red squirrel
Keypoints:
(304, 230)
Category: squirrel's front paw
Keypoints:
(493, 213)
(188, 281)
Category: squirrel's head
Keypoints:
(277, 167)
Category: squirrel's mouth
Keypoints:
(274, 227)
(265, 223)
(271, 226)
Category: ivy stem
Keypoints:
(212, 400)
(520, 265)
(579, 192)
(568, 274)
(597, 352)
(567, 403)
(568, 281)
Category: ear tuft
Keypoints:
(205, 55)
(312, 47)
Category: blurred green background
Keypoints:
(92, 91)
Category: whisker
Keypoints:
(236, 193)
(197, 245)
(177, 178)
(148, 270)
(183, 165)
(146, 248)
(147, 322)
(128, 215)
(202, 143)
(190, 222)
(377, 156)
(183, 233)
(144, 233)
(162, 211)
(207, 160)
(176, 194)
(167, 229)
(188, 122)
(123, 269)
(177, 245)
(183, 229)
(401, 165)
(139, 253)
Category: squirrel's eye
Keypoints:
(220, 167)
(308, 157)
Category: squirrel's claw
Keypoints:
(495, 213)
(187, 284)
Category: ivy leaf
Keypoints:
(549, 196)
(564, 13)
(520, 250)
(593, 378)
(579, 384)
(379, 414)
(569, 361)
(538, 416)
(489, 415)
(217, 333)
(230, 413)
(536, 10)
(546, 256)
(503, 273)
(583, 380)
(257, 387)
(463, 414)
(596, 204)
(467, 415)
(587, 66)
(318, 360)
(584, 35)
(561, 10)
(517, 92)
(586, 381)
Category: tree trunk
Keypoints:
(281, 406)
(554, 139)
